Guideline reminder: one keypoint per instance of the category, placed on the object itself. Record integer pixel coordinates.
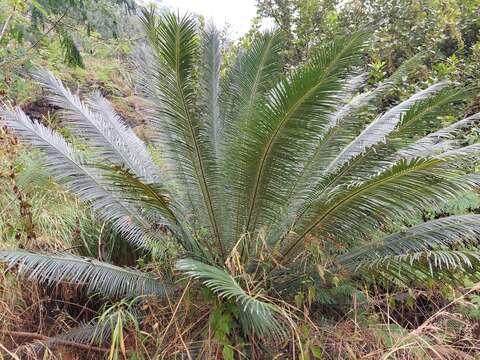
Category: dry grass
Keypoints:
(182, 328)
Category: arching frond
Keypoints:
(96, 276)
(421, 268)
(423, 238)
(343, 127)
(67, 165)
(101, 127)
(249, 81)
(348, 103)
(381, 127)
(257, 314)
(93, 333)
(442, 138)
(156, 203)
(353, 210)
(414, 122)
(144, 166)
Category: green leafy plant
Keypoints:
(273, 182)
(71, 53)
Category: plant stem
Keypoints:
(7, 22)
(36, 336)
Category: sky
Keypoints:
(237, 13)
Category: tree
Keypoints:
(44, 17)
(271, 182)
(399, 28)
(305, 24)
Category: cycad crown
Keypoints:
(257, 165)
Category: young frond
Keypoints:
(185, 139)
(274, 145)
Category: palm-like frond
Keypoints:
(441, 139)
(93, 333)
(348, 101)
(422, 268)
(100, 126)
(142, 162)
(257, 314)
(414, 122)
(379, 129)
(157, 205)
(342, 129)
(266, 164)
(210, 83)
(415, 241)
(356, 209)
(244, 93)
(345, 126)
(98, 277)
(67, 165)
(186, 140)
(369, 99)
(254, 74)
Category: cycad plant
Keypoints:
(271, 182)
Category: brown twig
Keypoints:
(172, 319)
(55, 342)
